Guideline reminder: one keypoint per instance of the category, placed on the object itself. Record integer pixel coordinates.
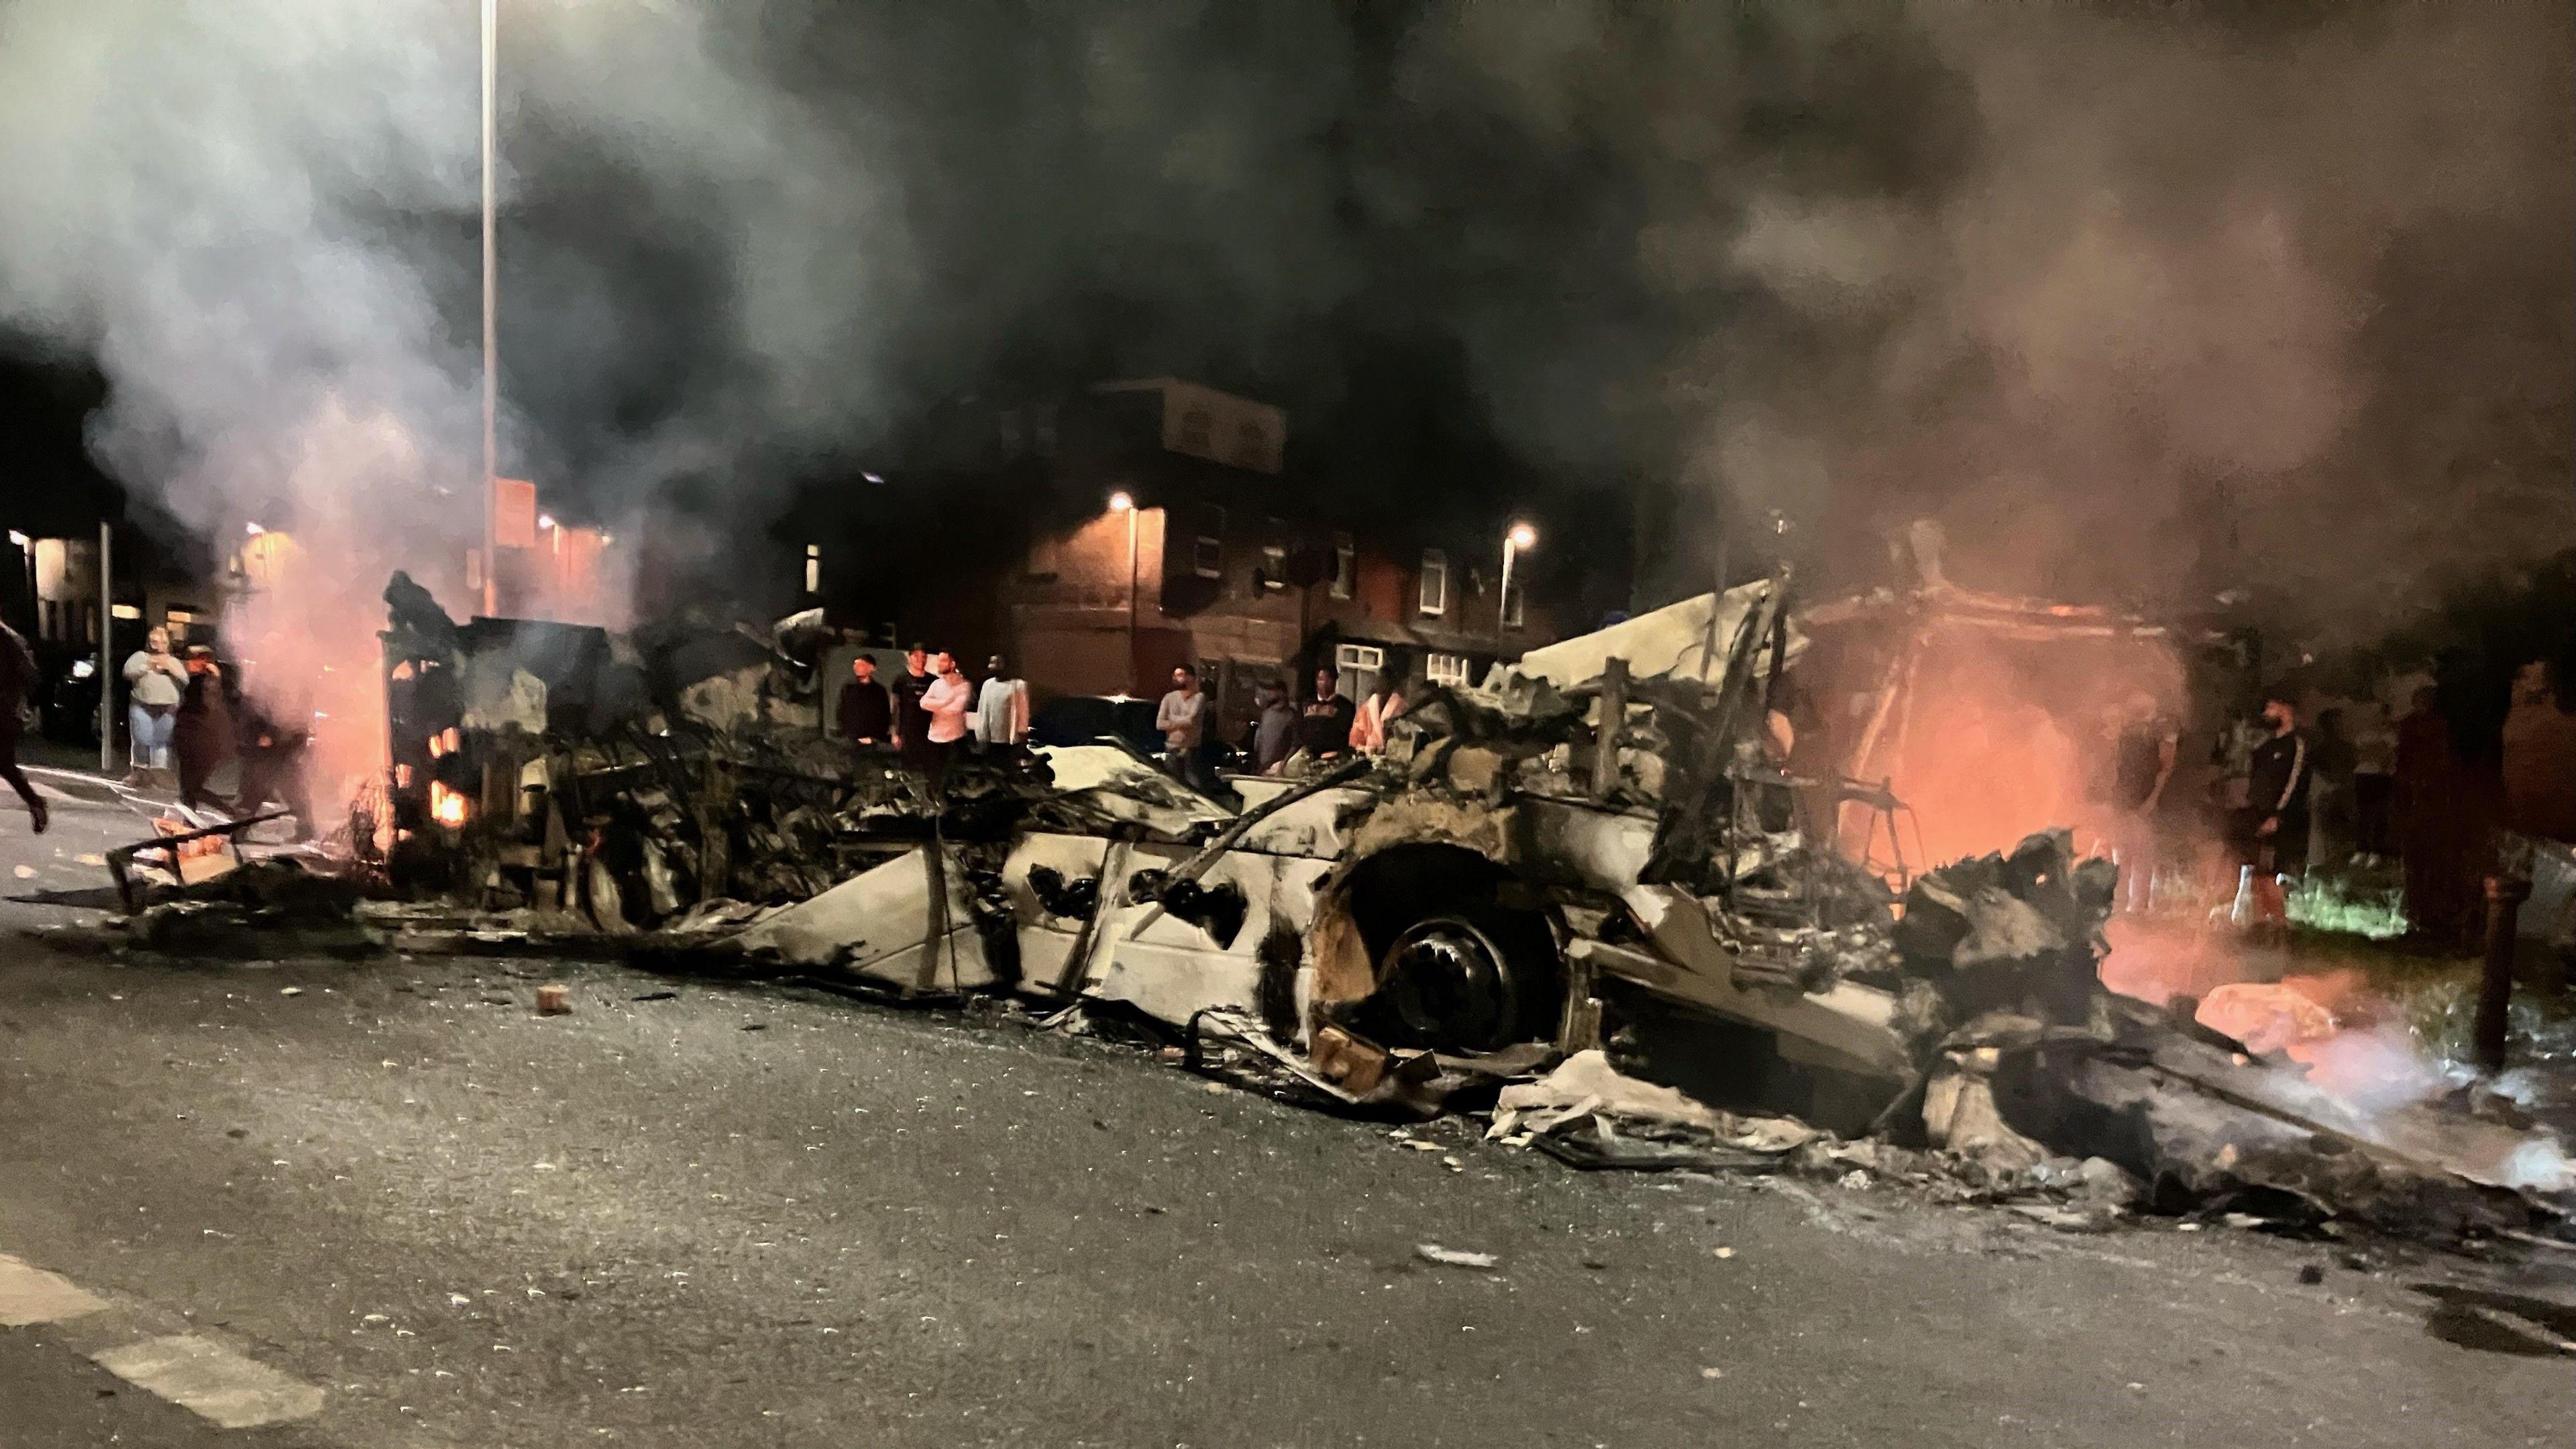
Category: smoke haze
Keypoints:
(2145, 302)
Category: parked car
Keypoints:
(1085, 719)
(67, 696)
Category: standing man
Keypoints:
(1324, 719)
(911, 723)
(865, 715)
(944, 706)
(17, 676)
(1274, 729)
(154, 680)
(203, 735)
(2274, 827)
(1002, 708)
(1182, 717)
(2143, 764)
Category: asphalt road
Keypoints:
(744, 1217)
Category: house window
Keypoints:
(1193, 435)
(1251, 445)
(1435, 581)
(1355, 668)
(1274, 568)
(813, 568)
(1346, 564)
(1044, 428)
(1448, 669)
(1207, 553)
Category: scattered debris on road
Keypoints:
(1530, 907)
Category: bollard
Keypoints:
(2505, 896)
(554, 999)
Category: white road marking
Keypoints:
(29, 1294)
(211, 1380)
(195, 1373)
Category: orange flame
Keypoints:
(446, 806)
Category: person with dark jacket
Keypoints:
(2273, 831)
(203, 738)
(1324, 719)
(1274, 732)
(17, 678)
(865, 715)
(911, 721)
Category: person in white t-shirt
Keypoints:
(945, 703)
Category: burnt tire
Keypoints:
(1472, 979)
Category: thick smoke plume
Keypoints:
(2144, 301)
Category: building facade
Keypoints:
(1169, 530)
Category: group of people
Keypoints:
(179, 713)
(2278, 794)
(933, 712)
(1323, 724)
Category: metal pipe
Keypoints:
(106, 627)
(491, 329)
(2505, 895)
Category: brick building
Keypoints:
(1100, 541)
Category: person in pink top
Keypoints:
(1368, 725)
(947, 702)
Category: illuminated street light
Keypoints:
(545, 520)
(1517, 540)
(1120, 502)
(253, 529)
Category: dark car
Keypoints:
(1083, 719)
(66, 696)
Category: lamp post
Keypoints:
(107, 627)
(491, 329)
(1517, 540)
(1121, 503)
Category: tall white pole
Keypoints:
(491, 328)
(1503, 597)
(106, 627)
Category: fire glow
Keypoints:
(446, 806)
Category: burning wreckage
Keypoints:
(1607, 829)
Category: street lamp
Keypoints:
(491, 329)
(1519, 539)
(1120, 502)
